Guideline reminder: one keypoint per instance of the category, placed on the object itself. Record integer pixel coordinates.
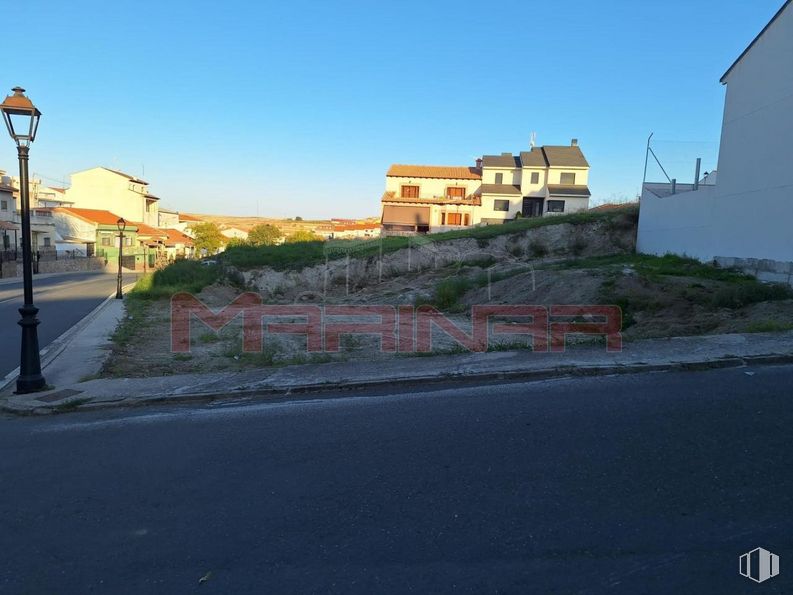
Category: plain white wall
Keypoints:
(749, 213)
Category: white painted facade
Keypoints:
(493, 192)
(235, 233)
(42, 227)
(125, 195)
(430, 187)
(749, 211)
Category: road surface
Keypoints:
(63, 300)
(650, 483)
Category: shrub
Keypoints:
(183, 275)
(742, 294)
(538, 249)
(578, 246)
(447, 293)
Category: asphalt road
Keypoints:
(63, 300)
(651, 483)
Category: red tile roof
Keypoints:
(177, 237)
(185, 217)
(148, 230)
(91, 215)
(435, 171)
(354, 226)
(7, 225)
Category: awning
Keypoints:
(568, 190)
(399, 215)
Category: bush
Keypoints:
(538, 249)
(578, 246)
(750, 292)
(183, 275)
(447, 293)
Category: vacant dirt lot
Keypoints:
(689, 302)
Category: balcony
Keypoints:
(471, 199)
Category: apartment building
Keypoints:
(42, 228)
(104, 188)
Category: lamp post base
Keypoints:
(30, 379)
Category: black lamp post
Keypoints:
(122, 225)
(22, 120)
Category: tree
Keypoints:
(264, 234)
(298, 218)
(207, 237)
(303, 236)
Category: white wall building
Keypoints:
(123, 194)
(420, 198)
(42, 226)
(748, 213)
(546, 180)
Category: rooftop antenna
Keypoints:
(533, 141)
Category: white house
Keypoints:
(544, 181)
(420, 198)
(234, 233)
(104, 188)
(745, 218)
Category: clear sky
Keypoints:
(298, 108)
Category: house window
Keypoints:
(499, 178)
(105, 240)
(455, 192)
(467, 220)
(4, 205)
(535, 177)
(410, 191)
(556, 206)
(501, 205)
(454, 219)
(567, 178)
(47, 243)
(127, 241)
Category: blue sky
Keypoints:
(298, 108)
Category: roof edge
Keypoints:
(754, 41)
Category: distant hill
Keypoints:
(287, 226)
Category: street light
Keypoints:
(122, 225)
(22, 120)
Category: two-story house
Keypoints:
(422, 198)
(543, 181)
(123, 194)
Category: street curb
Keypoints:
(317, 390)
(59, 344)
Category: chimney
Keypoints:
(574, 142)
(479, 163)
(696, 173)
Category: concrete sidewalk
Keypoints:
(405, 372)
(79, 352)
